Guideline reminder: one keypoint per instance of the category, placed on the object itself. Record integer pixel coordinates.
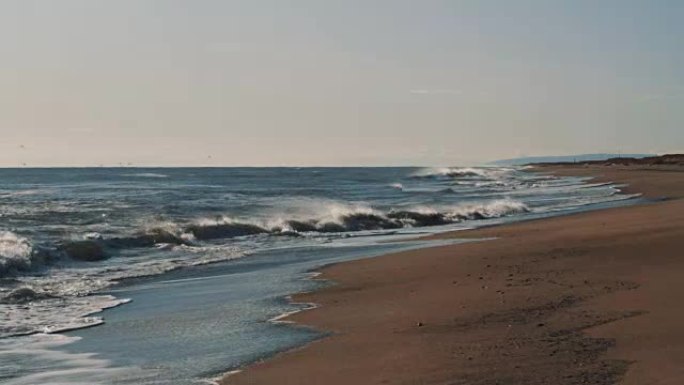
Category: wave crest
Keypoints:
(16, 253)
(145, 175)
(460, 172)
(342, 218)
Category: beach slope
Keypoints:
(590, 298)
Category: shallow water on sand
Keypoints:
(215, 252)
(190, 326)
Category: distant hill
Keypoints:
(566, 158)
(662, 160)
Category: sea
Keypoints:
(179, 275)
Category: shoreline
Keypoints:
(348, 311)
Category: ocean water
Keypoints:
(207, 256)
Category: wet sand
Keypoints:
(590, 298)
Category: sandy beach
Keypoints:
(590, 298)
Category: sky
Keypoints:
(328, 82)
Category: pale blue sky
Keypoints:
(209, 82)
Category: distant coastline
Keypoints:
(662, 160)
(565, 158)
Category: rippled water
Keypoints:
(67, 236)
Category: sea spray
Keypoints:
(68, 235)
(15, 253)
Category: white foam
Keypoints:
(297, 209)
(303, 306)
(59, 367)
(493, 209)
(74, 304)
(55, 314)
(75, 286)
(15, 251)
(487, 209)
(146, 175)
(20, 193)
(484, 172)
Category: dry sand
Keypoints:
(591, 298)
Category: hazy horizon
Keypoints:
(336, 83)
(488, 163)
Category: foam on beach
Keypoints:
(77, 233)
(58, 366)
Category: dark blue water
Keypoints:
(219, 248)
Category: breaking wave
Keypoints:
(17, 254)
(340, 218)
(63, 251)
(146, 175)
(460, 172)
